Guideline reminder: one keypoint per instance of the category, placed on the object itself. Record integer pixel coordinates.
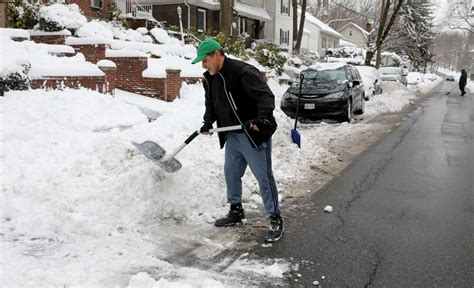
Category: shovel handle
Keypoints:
(229, 128)
(195, 134)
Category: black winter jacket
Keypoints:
(463, 79)
(237, 94)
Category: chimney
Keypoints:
(368, 27)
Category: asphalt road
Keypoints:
(403, 211)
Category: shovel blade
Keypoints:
(170, 166)
(155, 152)
(151, 150)
(296, 137)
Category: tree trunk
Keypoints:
(226, 17)
(294, 5)
(301, 28)
(384, 28)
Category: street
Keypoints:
(403, 210)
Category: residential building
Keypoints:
(280, 30)
(318, 36)
(355, 34)
(203, 15)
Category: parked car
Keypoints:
(450, 78)
(394, 74)
(371, 79)
(328, 90)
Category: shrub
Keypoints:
(57, 17)
(23, 15)
(113, 14)
(269, 55)
(16, 80)
(234, 45)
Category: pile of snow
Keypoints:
(41, 61)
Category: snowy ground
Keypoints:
(80, 206)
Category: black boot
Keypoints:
(276, 229)
(235, 217)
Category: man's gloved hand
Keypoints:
(205, 128)
(256, 124)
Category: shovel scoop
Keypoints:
(155, 152)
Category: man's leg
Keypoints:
(234, 169)
(260, 162)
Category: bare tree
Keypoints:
(388, 14)
(301, 27)
(226, 14)
(449, 50)
(461, 15)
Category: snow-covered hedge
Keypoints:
(58, 17)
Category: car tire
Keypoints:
(362, 108)
(349, 113)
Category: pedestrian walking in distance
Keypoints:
(463, 82)
(237, 95)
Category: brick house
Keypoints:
(250, 15)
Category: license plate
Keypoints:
(309, 106)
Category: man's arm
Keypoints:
(256, 88)
(209, 114)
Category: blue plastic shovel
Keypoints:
(295, 135)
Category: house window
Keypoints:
(324, 43)
(96, 4)
(284, 37)
(242, 25)
(335, 44)
(201, 20)
(285, 7)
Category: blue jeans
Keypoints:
(238, 154)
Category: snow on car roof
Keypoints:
(327, 66)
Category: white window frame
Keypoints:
(93, 4)
(204, 12)
(324, 42)
(285, 9)
(284, 36)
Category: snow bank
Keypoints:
(67, 16)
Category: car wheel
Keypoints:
(361, 108)
(348, 115)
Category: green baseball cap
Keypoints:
(207, 46)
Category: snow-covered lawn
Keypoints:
(80, 206)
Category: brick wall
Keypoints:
(92, 82)
(49, 39)
(87, 8)
(92, 53)
(110, 79)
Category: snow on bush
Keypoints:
(95, 29)
(58, 17)
(160, 35)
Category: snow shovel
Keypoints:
(155, 152)
(295, 135)
(451, 90)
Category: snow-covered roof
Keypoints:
(321, 25)
(253, 12)
(343, 43)
(362, 30)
